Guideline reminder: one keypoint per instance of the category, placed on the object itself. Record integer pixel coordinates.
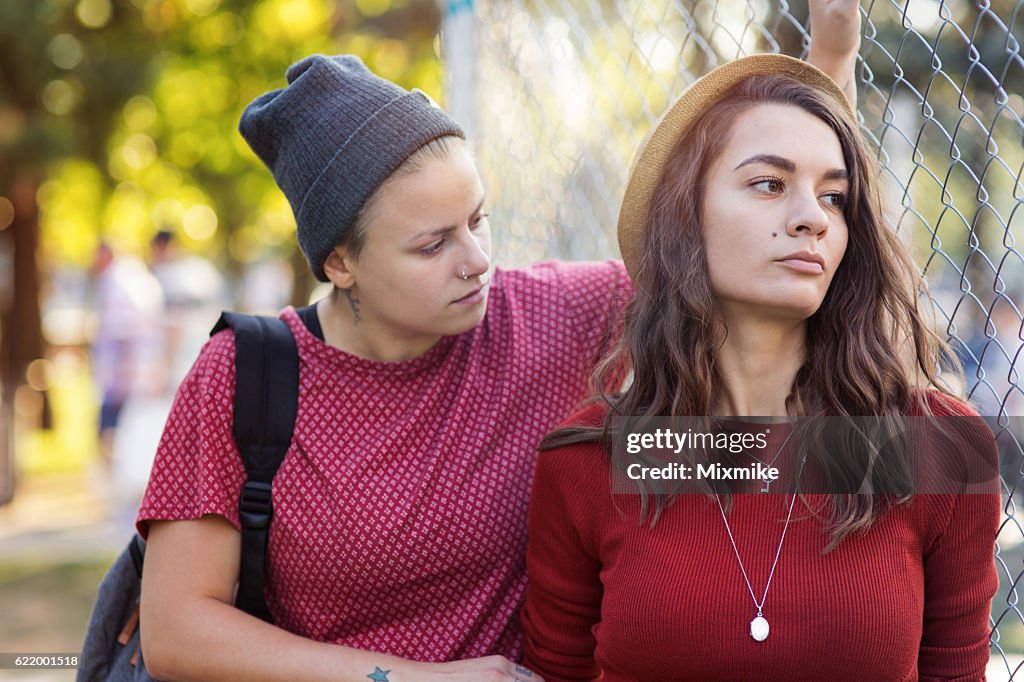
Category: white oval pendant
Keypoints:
(759, 629)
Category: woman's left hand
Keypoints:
(835, 28)
(835, 39)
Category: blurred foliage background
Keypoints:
(118, 118)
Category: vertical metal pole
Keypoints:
(458, 51)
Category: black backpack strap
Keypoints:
(266, 402)
(137, 550)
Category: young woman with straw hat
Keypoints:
(767, 283)
(427, 378)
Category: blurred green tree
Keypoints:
(54, 102)
(118, 118)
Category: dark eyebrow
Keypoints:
(790, 167)
(445, 230)
(771, 160)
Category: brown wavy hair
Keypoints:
(870, 346)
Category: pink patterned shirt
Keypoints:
(400, 509)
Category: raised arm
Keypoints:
(191, 631)
(835, 40)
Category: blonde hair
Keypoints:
(437, 149)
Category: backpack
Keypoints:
(266, 401)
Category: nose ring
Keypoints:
(463, 275)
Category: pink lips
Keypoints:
(805, 262)
(473, 297)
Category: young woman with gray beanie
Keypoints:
(427, 379)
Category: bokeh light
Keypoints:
(200, 222)
(60, 96)
(93, 13)
(140, 113)
(202, 8)
(373, 8)
(66, 51)
(6, 213)
(39, 374)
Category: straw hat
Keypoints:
(655, 150)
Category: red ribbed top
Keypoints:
(907, 600)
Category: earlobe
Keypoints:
(338, 268)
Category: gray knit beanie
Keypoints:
(331, 137)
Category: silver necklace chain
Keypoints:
(759, 626)
(777, 452)
(767, 483)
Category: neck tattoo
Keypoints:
(353, 303)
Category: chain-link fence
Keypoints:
(559, 93)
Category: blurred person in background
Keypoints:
(154, 346)
(126, 346)
(427, 378)
(195, 293)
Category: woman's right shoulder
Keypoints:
(591, 413)
(216, 361)
(573, 482)
(578, 458)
